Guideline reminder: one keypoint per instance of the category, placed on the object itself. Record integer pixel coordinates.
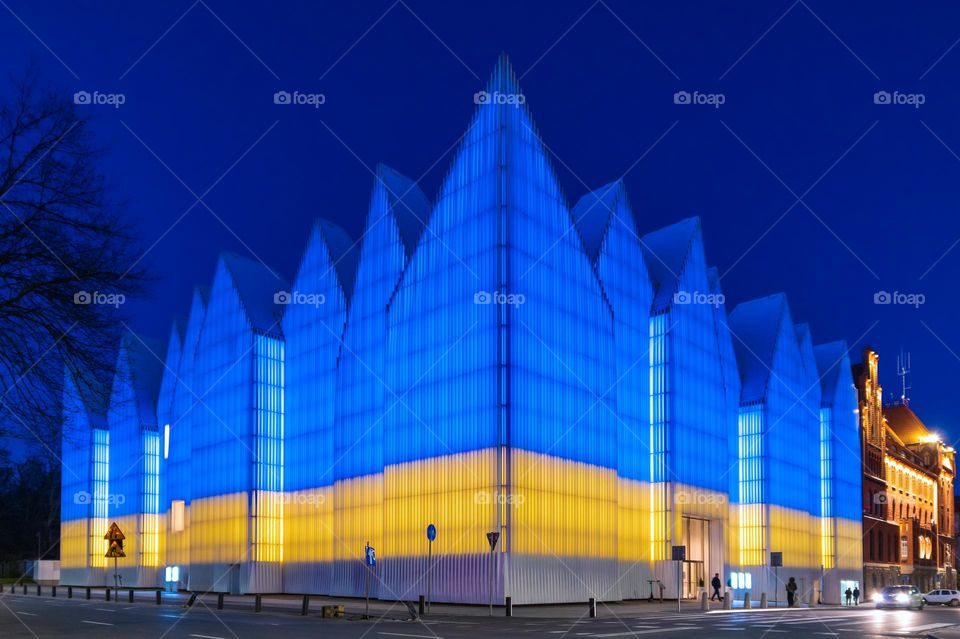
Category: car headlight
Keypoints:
(903, 597)
(877, 596)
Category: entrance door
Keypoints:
(696, 537)
(692, 578)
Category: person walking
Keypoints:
(856, 595)
(716, 583)
(791, 591)
(849, 595)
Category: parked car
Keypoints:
(899, 597)
(943, 597)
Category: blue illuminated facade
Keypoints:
(491, 361)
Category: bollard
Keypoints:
(727, 604)
(53, 591)
(763, 600)
(257, 603)
(192, 600)
(508, 607)
(158, 597)
(219, 601)
(38, 590)
(704, 602)
(69, 592)
(421, 604)
(24, 588)
(130, 596)
(1, 587)
(108, 594)
(305, 608)
(746, 601)
(88, 592)
(593, 607)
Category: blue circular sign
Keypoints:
(431, 532)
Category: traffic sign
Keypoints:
(493, 537)
(115, 550)
(776, 559)
(679, 553)
(114, 533)
(370, 556)
(431, 532)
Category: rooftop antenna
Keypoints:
(903, 369)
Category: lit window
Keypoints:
(166, 440)
(176, 515)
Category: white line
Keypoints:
(20, 612)
(648, 632)
(206, 636)
(400, 634)
(97, 623)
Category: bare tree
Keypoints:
(65, 259)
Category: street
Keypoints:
(32, 617)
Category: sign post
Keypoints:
(679, 556)
(776, 560)
(115, 538)
(431, 535)
(492, 537)
(370, 562)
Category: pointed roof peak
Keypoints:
(593, 212)
(666, 251)
(410, 207)
(256, 284)
(830, 366)
(756, 326)
(342, 251)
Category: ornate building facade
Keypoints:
(908, 503)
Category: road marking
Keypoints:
(96, 623)
(206, 637)
(20, 612)
(648, 632)
(105, 609)
(400, 634)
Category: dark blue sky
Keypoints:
(879, 183)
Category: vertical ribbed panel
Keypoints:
(365, 397)
(312, 334)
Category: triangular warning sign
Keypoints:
(115, 550)
(114, 534)
(493, 537)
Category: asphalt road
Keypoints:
(32, 617)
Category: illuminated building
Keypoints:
(494, 362)
(908, 517)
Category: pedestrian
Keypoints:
(856, 595)
(849, 595)
(716, 583)
(791, 591)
